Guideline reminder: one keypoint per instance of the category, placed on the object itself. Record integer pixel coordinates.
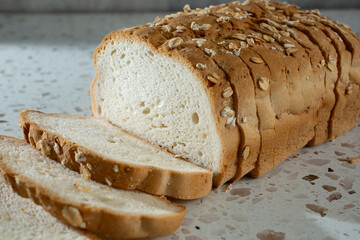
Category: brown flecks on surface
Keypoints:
(209, 218)
(78, 109)
(328, 188)
(3, 121)
(256, 200)
(271, 189)
(2, 114)
(197, 227)
(347, 183)
(310, 178)
(334, 196)
(351, 192)
(330, 170)
(337, 153)
(348, 145)
(332, 176)
(185, 231)
(348, 206)
(240, 218)
(300, 196)
(318, 162)
(232, 198)
(269, 234)
(317, 209)
(293, 176)
(231, 228)
(192, 238)
(241, 192)
(44, 94)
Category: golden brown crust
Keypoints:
(312, 89)
(347, 109)
(92, 218)
(303, 39)
(293, 95)
(122, 175)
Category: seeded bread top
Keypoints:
(266, 52)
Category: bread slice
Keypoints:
(107, 154)
(21, 219)
(85, 204)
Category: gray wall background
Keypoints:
(142, 5)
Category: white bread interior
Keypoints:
(108, 141)
(158, 99)
(20, 218)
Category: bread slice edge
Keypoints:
(98, 219)
(150, 179)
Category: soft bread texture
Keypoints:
(21, 219)
(85, 204)
(268, 79)
(176, 114)
(106, 154)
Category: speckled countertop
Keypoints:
(46, 64)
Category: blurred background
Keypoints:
(142, 5)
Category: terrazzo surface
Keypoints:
(46, 64)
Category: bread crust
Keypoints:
(293, 96)
(127, 176)
(313, 92)
(96, 219)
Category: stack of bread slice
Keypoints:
(126, 167)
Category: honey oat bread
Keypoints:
(106, 154)
(21, 219)
(237, 87)
(81, 203)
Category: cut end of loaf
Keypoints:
(157, 98)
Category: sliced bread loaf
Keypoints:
(106, 154)
(85, 204)
(237, 87)
(21, 219)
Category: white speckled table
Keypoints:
(46, 64)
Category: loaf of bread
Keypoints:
(106, 154)
(236, 88)
(81, 203)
